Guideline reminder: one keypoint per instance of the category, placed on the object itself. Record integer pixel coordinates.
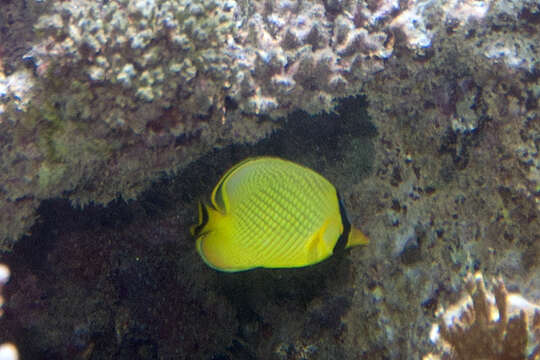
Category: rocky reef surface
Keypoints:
(100, 99)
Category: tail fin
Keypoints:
(356, 237)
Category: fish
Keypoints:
(267, 212)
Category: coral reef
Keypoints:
(487, 330)
(112, 105)
(123, 91)
(127, 282)
(112, 94)
(456, 174)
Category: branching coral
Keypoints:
(486, 329)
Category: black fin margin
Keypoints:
(341, 243)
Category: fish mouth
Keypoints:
(212, 263)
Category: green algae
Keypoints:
(63, 137)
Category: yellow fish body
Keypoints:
(272, 213)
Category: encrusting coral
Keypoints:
(486, 329)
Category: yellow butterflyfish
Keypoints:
(272, 213)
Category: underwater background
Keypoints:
(118, 116)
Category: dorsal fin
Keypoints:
(218, 199)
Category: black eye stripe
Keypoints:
(203, 221)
